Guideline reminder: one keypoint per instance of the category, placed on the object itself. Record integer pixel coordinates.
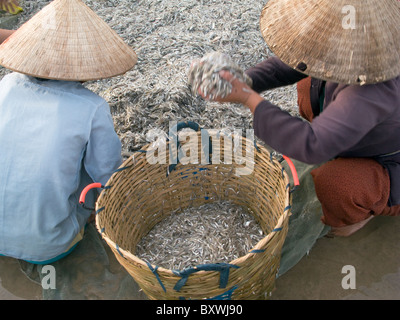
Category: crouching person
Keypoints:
(56, 136)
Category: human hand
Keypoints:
(241, 92)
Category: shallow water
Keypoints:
(374, 252)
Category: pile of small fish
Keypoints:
(204, 75)
(218, 232)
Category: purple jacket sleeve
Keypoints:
(273, 73)
(348, 123)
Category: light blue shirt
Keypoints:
(53, 134)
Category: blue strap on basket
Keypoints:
(174, 132)
(154, 270)
(223, 268)
(117, 248)
(257, 251)
(123, 168)
(275, 230)
(227, 295)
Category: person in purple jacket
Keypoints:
(349, 100)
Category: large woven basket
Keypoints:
(139, 195)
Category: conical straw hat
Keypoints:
(344, 41)
(66, 40)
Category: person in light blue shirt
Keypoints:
(56, 137)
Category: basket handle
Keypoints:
(179, 126)
(186, 124)
(295, 176)
(85, 191)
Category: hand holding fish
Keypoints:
(241, 92)
(216, 77)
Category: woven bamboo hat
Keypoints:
(344, 41)
(66, 40)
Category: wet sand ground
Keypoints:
(374, 252)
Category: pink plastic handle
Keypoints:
(86, 190)
(293, 170)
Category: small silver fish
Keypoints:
(204, 75)
(211, 233)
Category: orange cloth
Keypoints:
(304, 99)
(351, 190)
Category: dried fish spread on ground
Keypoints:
(218, 232)
(168, 35)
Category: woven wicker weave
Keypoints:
(315, 33)
(139, 195)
